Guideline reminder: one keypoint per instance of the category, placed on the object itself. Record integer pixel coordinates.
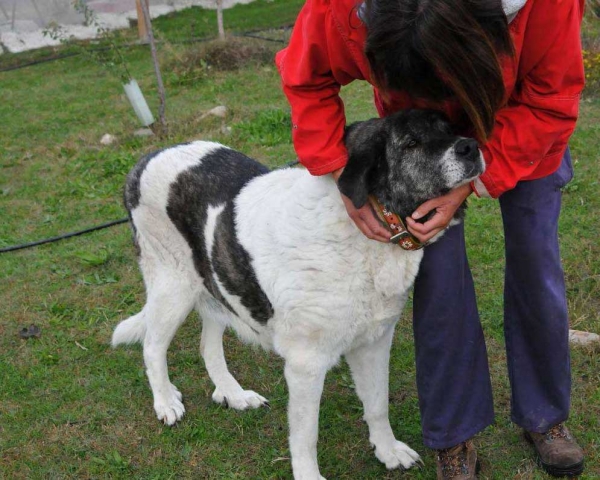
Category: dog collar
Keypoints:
(400, 234)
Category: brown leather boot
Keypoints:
(458, 462)
(557, 451)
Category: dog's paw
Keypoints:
(170, 409)
(175, 391)
(397, 454)
(241, 400)
(307, 474)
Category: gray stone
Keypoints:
(143, 132)
(108, 139)
(577, 337)
(220, 112)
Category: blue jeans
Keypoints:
(455, 394)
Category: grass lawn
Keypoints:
(72, 407)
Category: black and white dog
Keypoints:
(275, 256)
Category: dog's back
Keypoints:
(188, 177)
(172, 197)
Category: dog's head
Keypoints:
(406, 159)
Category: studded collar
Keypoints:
(400, 234)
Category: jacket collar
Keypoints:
(512, 7)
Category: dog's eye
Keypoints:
(411, 144)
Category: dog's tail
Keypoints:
(131, 330)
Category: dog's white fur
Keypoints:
(334, 293)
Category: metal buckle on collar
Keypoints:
(400, 236)
(406, 241)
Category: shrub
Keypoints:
(591, 63)
(594, 6)
(219, 55)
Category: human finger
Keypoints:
(425, 238)
(368, 216)
(427, 207)
(369, 232)
(435, 224)
(365, 220)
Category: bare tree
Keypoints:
(161, 88)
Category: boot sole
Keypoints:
(567, 471)
(570, 471)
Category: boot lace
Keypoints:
(557, 431)
(453, 461)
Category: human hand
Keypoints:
(364, 217)
(444, 206)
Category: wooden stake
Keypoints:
(142, 30)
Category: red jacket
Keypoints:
(543, 83)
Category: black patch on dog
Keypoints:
(232, 265)
(217, 180)
(367, 163)
(131, 195)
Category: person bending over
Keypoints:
(508, 73)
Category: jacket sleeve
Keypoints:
(540, 116)
(311, 80)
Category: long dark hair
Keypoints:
(436, 49)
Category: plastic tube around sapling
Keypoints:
(138, 102)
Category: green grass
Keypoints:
(71, 407)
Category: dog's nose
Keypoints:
(466, 148)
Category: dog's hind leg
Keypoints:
(169, 302)
(370, 370)
(228, 391)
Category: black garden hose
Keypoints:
(91, 229)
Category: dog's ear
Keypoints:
(365, 142)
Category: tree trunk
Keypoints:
(161, 88)
(220, 19)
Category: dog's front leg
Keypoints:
(305, 386)
(370, 370)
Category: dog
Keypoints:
(275, 256)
